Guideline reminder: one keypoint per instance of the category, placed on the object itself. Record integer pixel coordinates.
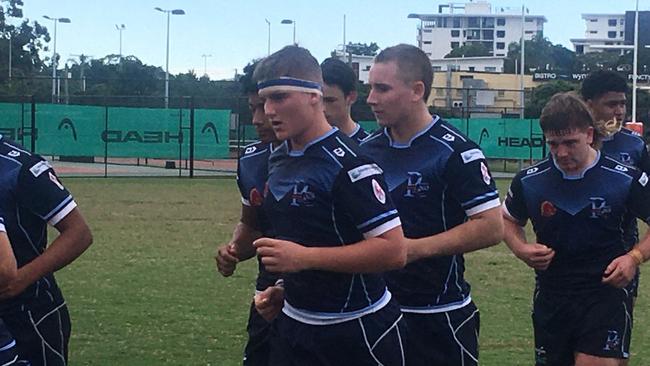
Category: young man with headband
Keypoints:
(339, 94)
(336, 229)
(576, 201)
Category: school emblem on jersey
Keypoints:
(599, 207)
(255, 197)
(448, 137)
(250, 150)
(486, 173)
(414, 186)
(547, 209)
(302, 196)
(14, 153)
(613, 340)
(625, 158)
(380, 195)
(55, 180)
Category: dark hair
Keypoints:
(566, 112)
(338, 73)
(291, 61)
(413, 64)
(600, 82)
(248, 86)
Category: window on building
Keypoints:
(454, 45)
(501, 21)
(530, 32)
(455, 33)
(580, 49)
(622, 34)
(593, 32)
(593, 20)
(621, 21)
(609, 43)
(611, 34)
(488, 22)
(473, 22)
(501, 46)
(464, 77)
(500, 54)
(427, 30)
(529, 20)
(436, 68)
(501, 93)
(474, 34)
(490, 68)
(427, 42)
(456, 22)
(611, 22)
(501, 34)
(471, 68)
(488, 34)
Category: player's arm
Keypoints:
(535, 255)
(483, 230)
(240, 246)
(8, 270)
(361, 193)
(623, 269)
(73, 239)
(377, 254)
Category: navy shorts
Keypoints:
(441, 339)
(597, 323)
(42, 330)
(258, 346)
(374, 339)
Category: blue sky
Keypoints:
(235, 31)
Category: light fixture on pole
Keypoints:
(268, 47)
(169, 12)
(291, 21)
(205, 64)
(120, 28)
(54, 58)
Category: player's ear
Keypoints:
(351, 98)
(417, 87)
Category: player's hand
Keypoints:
(15, 287)
(620, 271)
(269, 302)
(281, 256)
(226, 258)
(537, 256)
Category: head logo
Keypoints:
(532, 170)
(484, 134)
(67, 124)
(621, 168)
(14, 153)
(301, 195)
(250, 150)
(414, 186)
(339, 152)
(599, 208)
(209, 126)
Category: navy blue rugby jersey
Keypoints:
(359, 134)
(436, 180)
(580, 217)
(629, 148)
(328, 194)
(252, 171)
(32, 197)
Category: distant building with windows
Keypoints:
(474, 22)
(601, 30)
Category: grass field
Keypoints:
(147, 292)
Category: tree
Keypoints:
(469, 49)
(362, 49)
(542, 94)
(541, 54)
(27, 40)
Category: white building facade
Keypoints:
(474, 22)
(601, 30)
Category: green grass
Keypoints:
(147, 292)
